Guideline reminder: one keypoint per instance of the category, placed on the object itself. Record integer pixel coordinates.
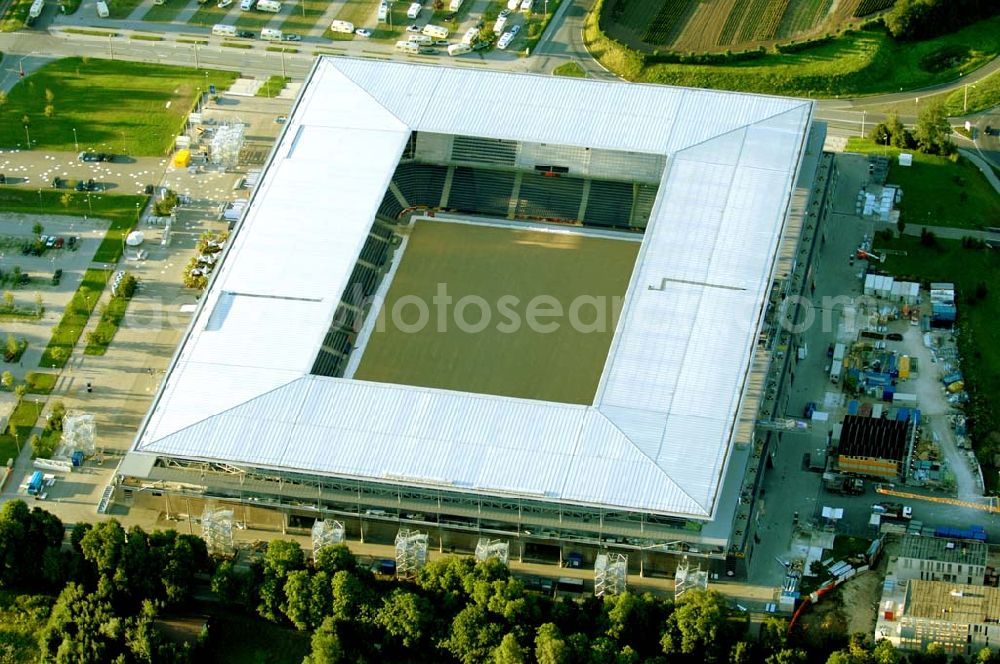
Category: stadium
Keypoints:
(482, 304)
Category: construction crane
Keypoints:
(992, 508)
(869, 256)
(787, 424)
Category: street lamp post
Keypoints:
(76, 143)
(864, 116)
(27, 136)
(111, 46)
(196, 65)
(283, 63)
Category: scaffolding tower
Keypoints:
(217, 530)
(689, 578)
(487, 548)
(325, 533)
(78, 433)
(411, 553)
(610, 574)
(226, 145)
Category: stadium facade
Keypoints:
(258, 408)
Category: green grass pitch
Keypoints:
(503, 358)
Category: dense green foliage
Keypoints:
(114, 589)
(920, 19)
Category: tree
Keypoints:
(49, 96)
(326, 648)
(933, 130)
(334, 558)
(298, 594)
(550, 648)
(7, 379)
(786, 656)
(473, 635)
(700, 624)
(982, 290)
(50, 110)
(509, 651)
(742, 653)
(19, 392)
(927, 238)
(3, 98)
(37, 228)
(899, 136)
(103, 546)
(282, 557)
(349, 598)
(8, 302)
(405, 616)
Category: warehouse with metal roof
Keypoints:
(241, 417)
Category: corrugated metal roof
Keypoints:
(659, 433)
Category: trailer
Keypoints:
(271, 6)
(35, 483)
(836, 368)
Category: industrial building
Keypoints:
(258, 408)
(873, 446)
(941, 559)
(962, 619)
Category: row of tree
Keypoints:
(112, 585)
(931, 134)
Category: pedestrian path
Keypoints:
(983, 167)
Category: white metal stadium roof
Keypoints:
(658, 435)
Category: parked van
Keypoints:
(470, 36)
(435, 31)
(342, 26)
(408, 47)
(499, 25)
(459, 49)
(223, 30)
(526, 6)
(272, 6)
(414, 10)
(246, 5)
(513, 5)
(383, 12)
(455, 5)
(270, 34)
(423, 40)
(102, 9)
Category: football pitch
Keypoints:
(474, 308)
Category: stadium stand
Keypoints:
(550, 197)
(479, 191)
(390, 207)
(609, 204)
(484, 150)
(645, 196)
(421, 184)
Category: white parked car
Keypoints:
(363, 32)
(504, 13)
(224, 3)
(505, 40)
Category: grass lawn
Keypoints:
(983, 96)
(273, 86)
(23, 418)
(938, 191)
(122, 8)
(40, 382)
(504, 358)
(106, 329)
(13, 19)
(362, 13)
(856, 63)
(253, 20)
(68, 330)
(296, 23)
(209, 14)
(979, 338)
(239, 639)
(107, 102)
(570, 69)
(110, 249)
(166, 12)
(119, 208)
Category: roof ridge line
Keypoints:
(651, 460)
(222, 412)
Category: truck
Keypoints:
(838, 352)
(893, 511)
(977, 533)
(35, 483)
(850, 486)
(836, 368)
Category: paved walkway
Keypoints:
(983, 167)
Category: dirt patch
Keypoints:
(860, 602)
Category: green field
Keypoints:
(569, 69)
(23, 419)
(938, 191)
(166, 12)
(854, 63)
(69, 328)
(296, 23)
(111, 104)
(500, 358)
(122, 8)
(118, 208)
(209, 14)
(979, 339)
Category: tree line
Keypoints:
(911, 20)
(107, 586)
